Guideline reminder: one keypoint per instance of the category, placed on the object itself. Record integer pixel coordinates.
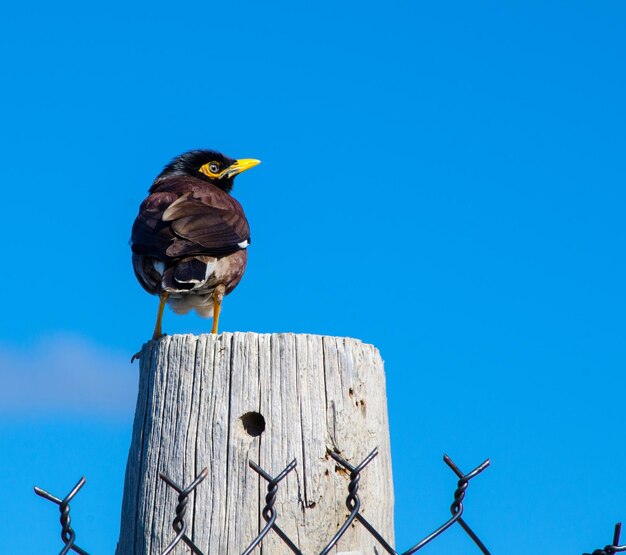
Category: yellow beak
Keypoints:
(241, 166)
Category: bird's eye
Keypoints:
(214, 167)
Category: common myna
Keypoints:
(190, 237)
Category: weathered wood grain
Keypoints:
(315, 394)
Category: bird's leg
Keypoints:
(157, 328)
(218, 295)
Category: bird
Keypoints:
(189, 240)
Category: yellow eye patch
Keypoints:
(212, 169)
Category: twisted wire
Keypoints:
(457, 505)
(614, 547)
(68, 536)
(178, 524)
(456, 508)
(269, 513)
(353, 502)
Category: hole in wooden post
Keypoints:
(253, 423)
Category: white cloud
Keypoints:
(66, 375)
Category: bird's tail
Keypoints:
(188, 273)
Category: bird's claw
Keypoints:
(137, 355)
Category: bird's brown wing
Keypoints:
(184, 219)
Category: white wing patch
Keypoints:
(210, 270)
(243, 244)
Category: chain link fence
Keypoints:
(271, 517)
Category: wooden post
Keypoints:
(221, 401)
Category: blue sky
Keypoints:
(443, 180)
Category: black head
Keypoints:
(208, 165)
